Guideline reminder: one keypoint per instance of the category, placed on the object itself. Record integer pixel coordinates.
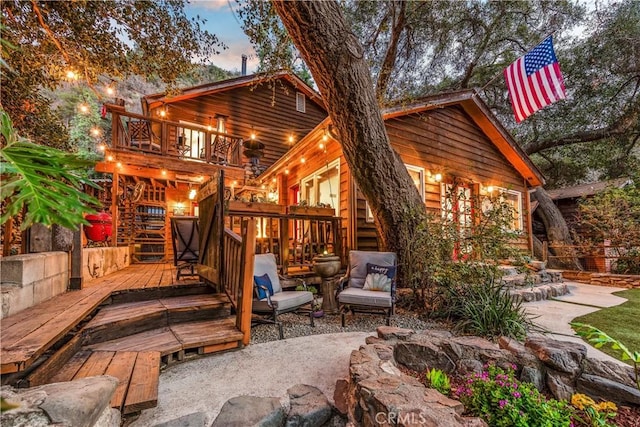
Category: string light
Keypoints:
(438, 177)
(286, 171)
(72, 75)
(119, 165)
(83, 108)
(302, 160)
(110, 90)
(163, 172)
(101, 147)
(96, 131)
(291, 139)
(321, 145)
(209, 127)
(490, 189)
(110, 158)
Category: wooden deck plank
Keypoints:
(143, 387)
(121, 367)
(70, 368)
(199, 300)
(23, 352)
(95, 365)
(56, 362)
(120, 312)
(206, 333)
(161, 340)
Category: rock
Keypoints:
(537, 265)
(421, 356)
(308, 407)
(468, 366)
(197, 419)
(532, 375)
(340, 396)
(244, 411)
(559, 355)
(391, 332)
(81, 403)
(614, 371)
(374, 340)
(606, 389)
(560, 385)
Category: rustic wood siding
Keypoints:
(267, 109)
(445, 141)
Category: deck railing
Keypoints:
(138, 133)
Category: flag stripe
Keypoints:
(534, 81)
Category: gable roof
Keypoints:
(586, 189)
(155, 100)
(471, 103)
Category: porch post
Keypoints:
(246, 280)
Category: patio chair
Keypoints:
(369, 285)
(269, 299)
(185, 239)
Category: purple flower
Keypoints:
(503, 403)
(514, 366)
(516, 394)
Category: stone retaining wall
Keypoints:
(604, 279)
(377, 390)
(29, 279)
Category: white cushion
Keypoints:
(358, 264)
(283, 301)
(357, 296)
(266, 264)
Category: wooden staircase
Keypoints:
(109, 330)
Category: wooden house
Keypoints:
(158, 159)
(450, 143)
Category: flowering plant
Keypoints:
(596, 414)
(501, 400)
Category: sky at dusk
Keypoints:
(224, 23)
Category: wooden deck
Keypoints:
(124, 325)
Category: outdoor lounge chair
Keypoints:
(185, 238)
(273, 302)
(374, 294)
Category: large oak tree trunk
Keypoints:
(557, 233)
(336, 61)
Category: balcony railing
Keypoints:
(137, 133)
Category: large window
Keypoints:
(417, 176)
(323, 187)
(513, 199)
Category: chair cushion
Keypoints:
(358, 264)
(379, 278)
(284, 301)
(266, 264)
(358, 296)
(263, 281)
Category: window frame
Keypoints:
(312, 177)
(301, 102)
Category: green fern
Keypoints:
(46, 180)
(599, 338)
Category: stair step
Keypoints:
(539, 293)
(172, 341)
(138, 375)
(120, 320)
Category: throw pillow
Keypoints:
(379, 277)
(261, 283)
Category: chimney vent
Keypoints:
(244, 65)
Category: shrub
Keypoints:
(482, 306)
(501, 400)
(439, 381)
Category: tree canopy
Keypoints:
(95, 41)
(417, 48)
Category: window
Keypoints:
(513, 199)
(323, 186)
(417, 176)
(301, 101)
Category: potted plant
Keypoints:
(316, 306)
(303, 208)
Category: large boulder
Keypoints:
(606, 389)
(244, 411)
(308, 407)
(562, 356)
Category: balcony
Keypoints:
(135, 133)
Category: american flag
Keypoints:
(535, 81)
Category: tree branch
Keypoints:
(47, 30)
(620, 127)
(392, 51)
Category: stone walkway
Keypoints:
(555, 315)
